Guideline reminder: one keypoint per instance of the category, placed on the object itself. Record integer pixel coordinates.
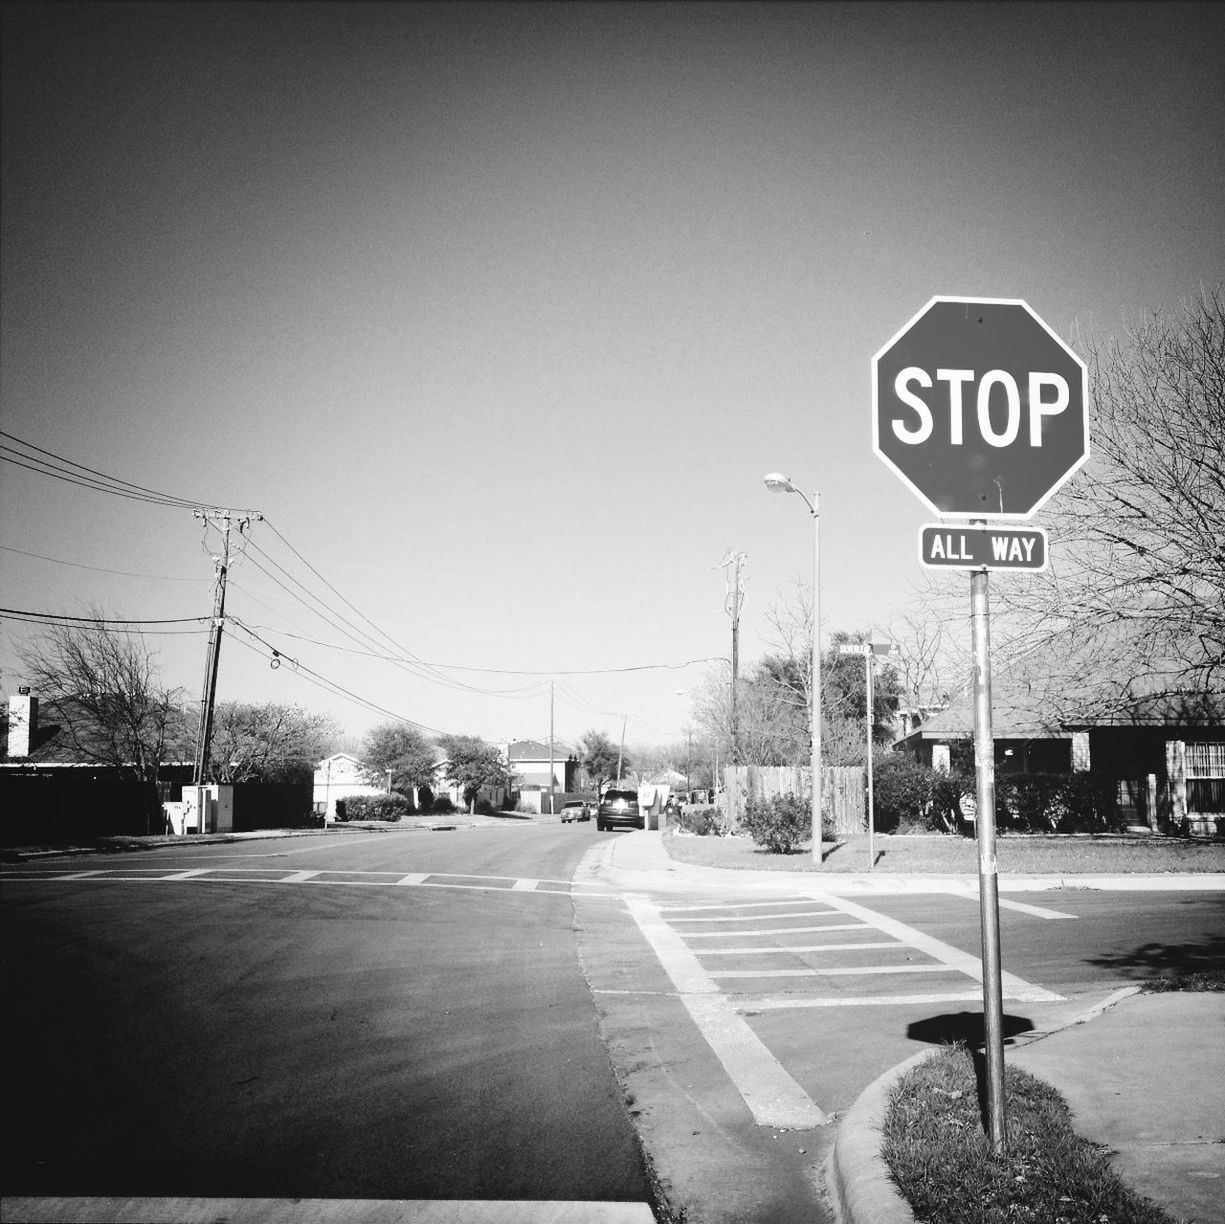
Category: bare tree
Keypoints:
(268, 743)
(1135, 596)
(104, 688)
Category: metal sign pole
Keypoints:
(988, 879)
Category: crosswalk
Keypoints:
(285, 875)
(731, 960)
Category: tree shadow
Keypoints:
(1165, 960)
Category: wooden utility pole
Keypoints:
(224, 520)
(552, 775)
(732, 605)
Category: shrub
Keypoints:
(703, 822)
(377, 807)
(442, 803)
(484, 807)
(902, 792)
(781, 824)
(1057, 803)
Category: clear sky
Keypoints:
(499, 314)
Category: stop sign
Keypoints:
(980, 408)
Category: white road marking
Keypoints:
(345, 879)
(725, 905)
(1022, 907)
(749, 1005)
(847, 971)
(753, 917)
(772, 1096)
(776, 949)
(1013, 986)
(808, 930)
(316, 1211)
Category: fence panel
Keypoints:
(844, 800)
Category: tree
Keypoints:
(268, 743)
(105, 689)
(473, 765)
(404, 750)
(600, 758)
(1134, 599)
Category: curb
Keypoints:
(862, 1190)
(856, 1172)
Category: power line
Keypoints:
(100, 622)
(69, 470)
(97, 569)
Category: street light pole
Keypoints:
(776, 482)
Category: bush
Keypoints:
(377, 807)
(702, 822)
(442, 803)
(484, 807)
(780, 824)
(1057, 803)
(902, 793)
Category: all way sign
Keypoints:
(982, 548)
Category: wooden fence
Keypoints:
(844, 798)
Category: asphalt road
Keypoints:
(243, 1034)
(414, 1016)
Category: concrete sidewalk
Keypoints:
(1141, 1073)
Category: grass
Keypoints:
(938, 854)
(936, 1147)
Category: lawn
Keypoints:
(938, 854)
(938, 1154)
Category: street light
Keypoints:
(776, 482)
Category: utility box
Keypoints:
(208, 809)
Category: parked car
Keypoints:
(619, 808)
(575, 809)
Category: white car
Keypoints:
(576, 809)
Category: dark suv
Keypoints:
(618, 807)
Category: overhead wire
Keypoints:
(102, 623)
(62, 468)
(45, 462)
(98, 569)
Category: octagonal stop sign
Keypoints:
(980, 408)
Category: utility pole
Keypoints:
(552, 776)
(224, 520)
(732, 604)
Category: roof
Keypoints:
(1017, 712)
(1177, 709)
(63, 735)
(1025, 709)
(533, 750)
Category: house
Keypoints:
(61, 776)
(1165, 752)
(538, 770)
(341, 776)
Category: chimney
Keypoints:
(23, 723)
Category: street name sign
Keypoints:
(980, 408)
(990, 548)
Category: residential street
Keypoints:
(427, 1015)
(234, 1035)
